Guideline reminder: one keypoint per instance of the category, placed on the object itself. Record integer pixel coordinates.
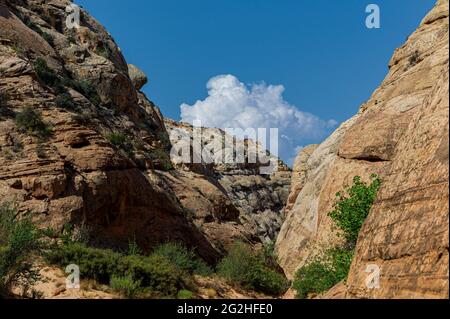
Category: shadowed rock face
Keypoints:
(401, 133)
(102, 169)
(254, 201)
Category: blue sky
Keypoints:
(320, 51)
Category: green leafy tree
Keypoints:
(353, 206)
(20, 243)
(350, 212)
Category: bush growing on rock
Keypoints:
(49, 38)
(65, 101)
(353, 206)
(44, 73)
(323, 272)
(104, 51)
(30, 121)
(161, 159)
(85, 88)
(249, 269)
(351, 209)
(82, 119)
(49, 77)
(120, 142)
(414, 58)
(17, 49)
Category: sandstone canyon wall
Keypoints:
(401, 134)
(105, 169)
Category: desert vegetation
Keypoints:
(20, 243)
(252, 270)
(332, 266)
(49, 77)
(30, 121)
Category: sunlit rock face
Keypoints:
(401, 134)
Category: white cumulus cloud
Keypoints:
(232, 104)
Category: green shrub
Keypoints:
(323, 273)
(65, 101)
(30, 121)
(46, 18)
(133, 248)
(120, 141)
(246, 268)
(236, 265)
(167, 165)
(82, 119)
(117, 139)
(162, 158)
(264, 279)
(85, 88)
(353, 206)
(17, 49)
(185, 294)
(185, 260)
(414, 58)
(94, 263)
(20, 242)
(33, 26)
(103, 51)
(89, 91)
(350, 211)
(155, 273)
(44, 73)
(49, 38)
(125, 286)
(8, 154)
